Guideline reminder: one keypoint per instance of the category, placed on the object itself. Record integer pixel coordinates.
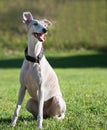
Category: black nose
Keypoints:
(45, 30)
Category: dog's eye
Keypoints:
(35, 24)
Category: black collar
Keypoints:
(34, 59)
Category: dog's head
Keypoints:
(35, 27)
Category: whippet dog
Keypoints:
(38, 77)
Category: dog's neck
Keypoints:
(34, 46)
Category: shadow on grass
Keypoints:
(78, 61)
(5, 120)
(8, 119)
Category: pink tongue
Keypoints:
(43, 37)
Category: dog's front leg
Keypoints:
(38, 77)
(40, 106)
(40, 99)
(18, 106)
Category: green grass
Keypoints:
(84, 88)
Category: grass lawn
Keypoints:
(83, 81)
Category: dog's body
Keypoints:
(38, 77)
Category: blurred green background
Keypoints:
(77, 24)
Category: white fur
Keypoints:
(40, 80)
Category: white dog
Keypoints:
(38, 77)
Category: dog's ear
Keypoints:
(27, 17)
(46, 22)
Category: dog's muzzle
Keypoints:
(41, 36)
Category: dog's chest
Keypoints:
(31, 84)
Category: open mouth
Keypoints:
(40, 36)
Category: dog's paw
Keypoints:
(13, 123)
(39, 128)
(61, 117)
